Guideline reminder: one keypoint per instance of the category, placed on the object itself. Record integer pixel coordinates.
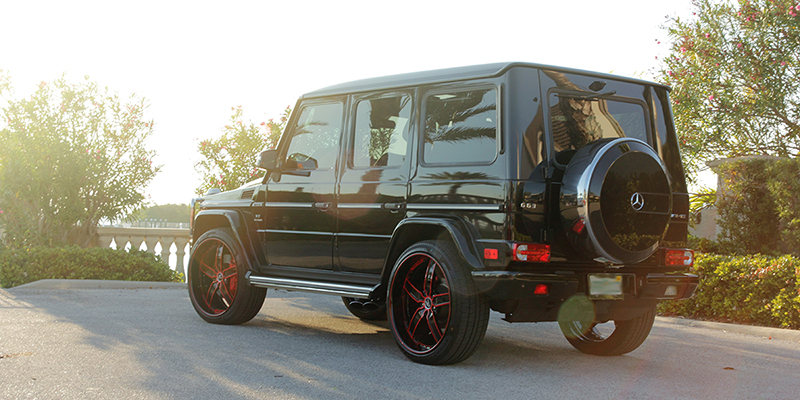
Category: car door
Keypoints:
(299, 214)
(461, 171)
(373, 186)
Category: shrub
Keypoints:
(753, 289)
(759, 211)
(20, 266)
(784, 187)
(748, 216)
(703, 245)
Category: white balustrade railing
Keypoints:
(151, 237)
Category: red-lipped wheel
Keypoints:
(218, 279)
(425, 302)
(435, 312)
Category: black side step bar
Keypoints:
(338, 289)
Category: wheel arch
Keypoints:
(207, 220)
(417, 229)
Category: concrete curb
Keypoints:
(771, 333)
(98, 284)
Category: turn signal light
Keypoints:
(531, 252)
(679, 257)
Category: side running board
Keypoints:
(338, 289)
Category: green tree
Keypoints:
(71, 154)
(759, 210)
(230, 160)
(748, 214)
(735, 73)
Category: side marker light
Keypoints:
(579, 226)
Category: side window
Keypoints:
(315, 137)
(381, 132)
(460, 127)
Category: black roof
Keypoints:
(449, 75)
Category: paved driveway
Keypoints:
(150, 344)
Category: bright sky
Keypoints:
(195, 60)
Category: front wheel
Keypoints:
(609, 339)
(436, 315)
(216, 279)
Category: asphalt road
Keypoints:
(150, 344)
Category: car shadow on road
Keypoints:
(309, 346)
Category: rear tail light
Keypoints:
(531, 252)
(679, 257)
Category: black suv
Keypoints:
(542, 193)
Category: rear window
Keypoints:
(381, 132)
(577, 121)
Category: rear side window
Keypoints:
(460, 127)
(577, 121)
(381, 132)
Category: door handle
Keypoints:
(322, 206)
(393, 207)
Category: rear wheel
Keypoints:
(216, 280)
(611, 338)
(436, 315)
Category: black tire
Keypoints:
(216, 279)
(627, 335)
(367, 310)
(435, 313)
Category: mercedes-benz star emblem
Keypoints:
(637, 201)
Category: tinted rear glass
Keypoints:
(576, 122)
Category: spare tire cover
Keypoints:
(616, 201)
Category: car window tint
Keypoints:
(577, 122)
(315, 137)
(461, 127)
(381, 132)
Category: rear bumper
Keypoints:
(513, 293)
(509, 284)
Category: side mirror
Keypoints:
(308, 164)
(268, 160)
